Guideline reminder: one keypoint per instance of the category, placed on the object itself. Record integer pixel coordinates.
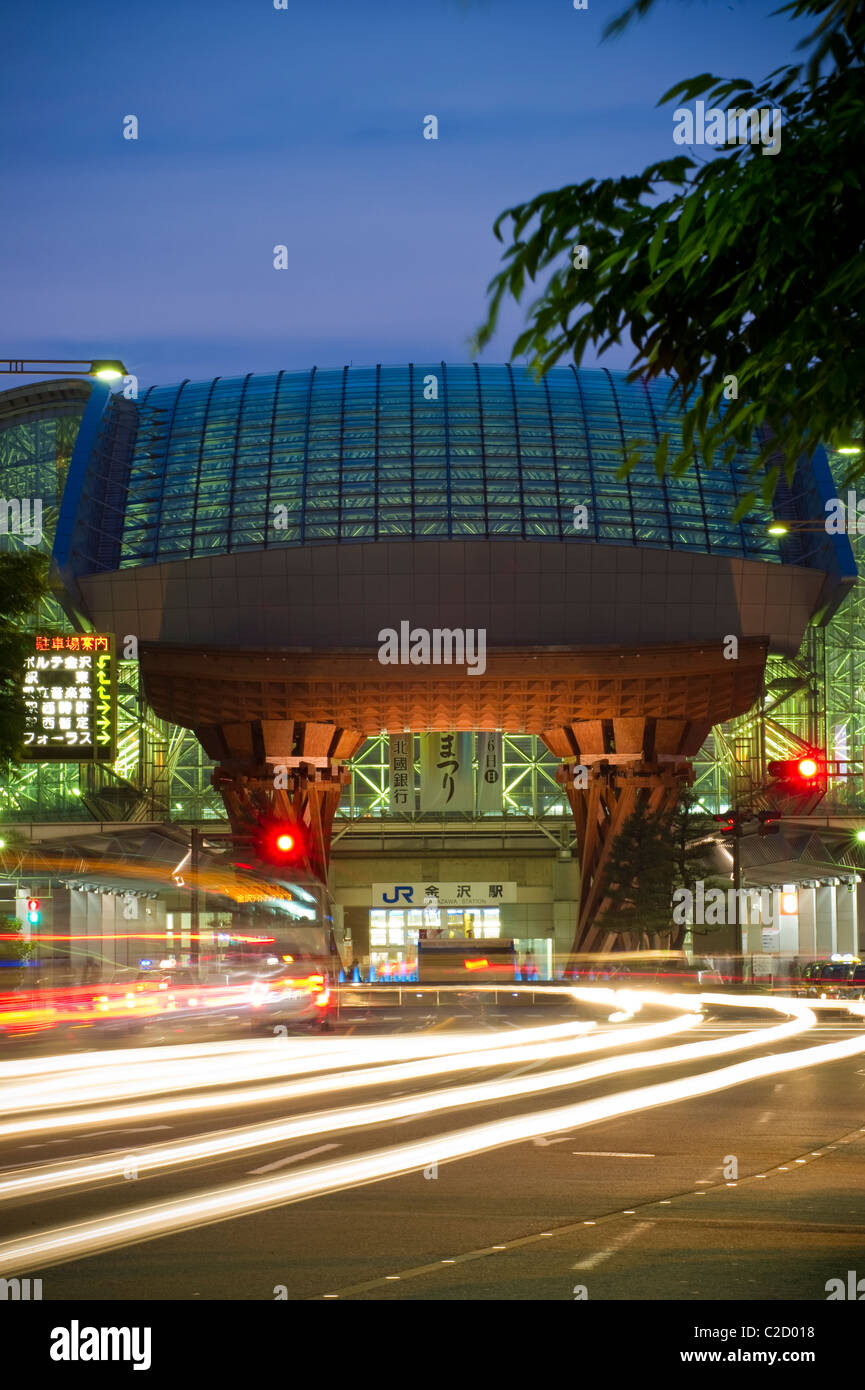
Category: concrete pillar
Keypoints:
(566, 898)
(788, 940)
(807, 921)
(826, 926)
(860, 913)
(845, 917)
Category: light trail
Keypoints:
(85, 1061)
(56, 1176)
(146, 1074)
(489, 1053)
(230, 1201)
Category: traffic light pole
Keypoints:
(737, 876)
(734, 823)
(194, 916)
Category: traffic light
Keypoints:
(800, 775)
(34, 916)
(769, 822)
(281, 843)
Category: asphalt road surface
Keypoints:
(516, 1154)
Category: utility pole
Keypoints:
(733, 826)
(194, 864)
(737, 878)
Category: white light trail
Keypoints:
(51, 1177)
(223, 1203)
(152, 1073)
(488, 1053)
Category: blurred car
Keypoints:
(839, 977)
(673, 973)
(150, 1002)
(295, 992)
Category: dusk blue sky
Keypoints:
(304, 126)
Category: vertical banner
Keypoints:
(446, 782)
(401, 772)
(490, 772)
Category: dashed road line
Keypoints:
(438, 1266)
(592, 1261)
(293, 1158)
(602, 1153)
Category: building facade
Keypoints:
(252, 512)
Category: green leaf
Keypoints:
(656, 242)
(744, 506)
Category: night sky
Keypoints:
(304, 127)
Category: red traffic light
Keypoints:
(803, 773)
(281, 843)
(769, 823)
(32, 904)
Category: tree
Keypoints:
(639, 875)
(14, 953)
(747, 266)
(655, 854)
(694, 839)
(23, 582)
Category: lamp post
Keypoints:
(105, 368)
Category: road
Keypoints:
(522, 1155)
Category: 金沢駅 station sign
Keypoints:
(71, 699)
(434, 895)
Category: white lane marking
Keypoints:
(763, 1118)
(518, 1071)
(141, 1129)
(96, 1134)
(293, 1158)
(624, 1239)
(543, 1143)
(602, 1153)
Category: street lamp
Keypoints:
(106, 368)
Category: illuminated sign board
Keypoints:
(70, 695)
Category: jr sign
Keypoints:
(443, 894)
